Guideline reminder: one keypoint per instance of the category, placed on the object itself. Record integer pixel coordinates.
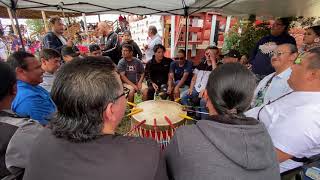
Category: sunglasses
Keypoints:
(278, 54)
(179, 58)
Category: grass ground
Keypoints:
(125, 124)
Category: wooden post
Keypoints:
(12, 22)
(213, 30)
(186, 36)
(19, 31)
(45, 21)
(85, 23)
(228, 23)
(173, 30)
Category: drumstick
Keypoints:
(135, 109)
(186, 117)
(190, 110)
(135, 112)
(186, 106)
(169, 122)
(135, 127)
(131, 104)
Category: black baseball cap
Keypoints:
(94, 47)
(66, 50)
(127, 32)
(232, 53)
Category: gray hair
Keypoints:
(81, 91)
(293, 48)
(153, 30)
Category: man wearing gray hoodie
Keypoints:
(228, 145)
(17, 134)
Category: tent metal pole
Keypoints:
(173, 30)
(19, 31)
(99, 17)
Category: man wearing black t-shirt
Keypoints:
(156, 72)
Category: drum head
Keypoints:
(159, 109)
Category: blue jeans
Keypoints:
(203, 108)
(187, 100)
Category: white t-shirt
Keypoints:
(277, 87)
(151, 43)
(47, 81)
(293, 123)
(202, 71)
(3, 55)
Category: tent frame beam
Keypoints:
(63, 6)
(122, 10)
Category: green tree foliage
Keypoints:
(244, 36)
(35, 25)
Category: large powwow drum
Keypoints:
(161, 120)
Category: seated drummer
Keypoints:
(95, 50)
(81, 142)
(231, 56)
(200, 79)
(227, 145)
(131, 71)
(180, 74)
(156, 72)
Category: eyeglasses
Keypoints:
(125, 93)
(179, 58)
(278, 54)
(299, 58)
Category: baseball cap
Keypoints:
(66, 50)
(232, 53)
(94, 47)
(127, 32)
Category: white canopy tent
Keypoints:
(267, 8)
(174, 7)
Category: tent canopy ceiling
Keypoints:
(266, 8)
(34, 14)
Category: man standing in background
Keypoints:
(260, 59)
(54, 39)
(110, 40)
(153, 39)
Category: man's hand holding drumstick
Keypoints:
(155, 87)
